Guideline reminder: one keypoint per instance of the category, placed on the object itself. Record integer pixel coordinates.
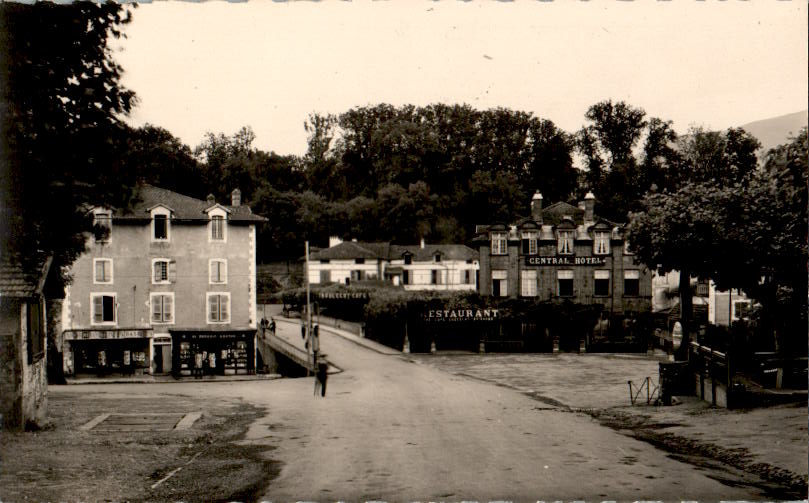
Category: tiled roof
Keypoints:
(426, 254)
(352, 250)
(182, 207)
(552, 215)
(348, 250)
(15, 282)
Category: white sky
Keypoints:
(218, 66)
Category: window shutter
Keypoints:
(156, 309)
(167, 308)
(223, 308)
(98, 309)
(172, 276)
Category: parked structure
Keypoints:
(168, 285)
(563, 252)
(23, 339)
(416, 267)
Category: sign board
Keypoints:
(200, 336)
(105, 334)
(462, 314)
(341, 295)
(565, 261)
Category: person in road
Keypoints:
(321, 377)
(272, 325)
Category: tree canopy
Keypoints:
(62, 106)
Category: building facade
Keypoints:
(449, 267)
(563, 252)
(168, 285)
(23, 339)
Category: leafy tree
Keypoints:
(741, 227)
(163, 160)
(62, 134)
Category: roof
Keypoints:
(16, 282)
(552, 216)
(426, 254)
(183, 207)
(348, 250)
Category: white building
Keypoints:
(416, 267)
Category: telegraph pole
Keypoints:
(308, 321)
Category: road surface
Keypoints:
(390, 429)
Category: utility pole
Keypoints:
(308, 320)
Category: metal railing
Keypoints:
(636, 390)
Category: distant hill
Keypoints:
(777, 130)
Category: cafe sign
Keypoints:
(565, 261)
(462, 314)
(80, 335)
(341, 295)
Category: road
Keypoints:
(390, 429)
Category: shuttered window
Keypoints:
(218, 308)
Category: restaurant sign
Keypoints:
(105, 334)
(565, 261)
(462, 314)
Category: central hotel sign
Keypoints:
(565, 261)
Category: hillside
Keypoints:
(776, 130)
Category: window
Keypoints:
(217, 228)
(405, 277)
(324, 261)
(601, 280)
(528, 283)
(36, 333)
(437, 257)
(565, 280)
(529, 242)
(741, 310)
(162, 307)
(499, 243)
(218, 271)
(632, 283)
(102, 226)
(160, 271)
(160, 225)
(102, 271)
(467, 277)
(500, 283)
(408, 259)
(565, 245)
(325, 276)
(601, 243)
(359, 260)
(435, 277)
(218, 308)
(103, 308)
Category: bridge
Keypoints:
(286, 341)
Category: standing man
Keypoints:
(321, 377)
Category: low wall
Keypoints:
(711, 390)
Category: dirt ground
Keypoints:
(766, 447)
(64, 463)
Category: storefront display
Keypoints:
(213, 353)
(105, 352)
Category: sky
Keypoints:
(217, 66)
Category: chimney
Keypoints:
(236, 197)
(589, 206)
(211, 199)
(334, 241)
(536, 207)
(422, 243)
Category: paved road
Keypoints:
(394, 430)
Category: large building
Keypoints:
(563, 252)
(168, 285)
(416, 267)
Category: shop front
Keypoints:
(107, 352)
(199, 352)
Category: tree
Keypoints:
(742, 227)
(607, 145)
(163, 160)
(63, 138)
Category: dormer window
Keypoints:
(601, 243)
(161, 224)
(102, 225)
(499, 243)
(218, 224)
(529, 242)
(437, 257)
(565, 242)
(408, 259)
